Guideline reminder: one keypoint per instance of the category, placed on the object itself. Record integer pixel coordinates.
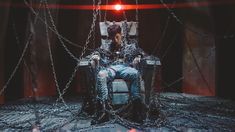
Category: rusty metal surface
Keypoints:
(198, 63)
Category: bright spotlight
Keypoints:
(118, 7)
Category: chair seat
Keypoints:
(120, 91)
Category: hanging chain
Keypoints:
(124, 13)
(22, 55)
(59, 35)
(105, 12)
(180, 22)
(17, 65)
(18, 42)
(95, 13)
(52, 60)
(137, 19)
(158, 43)
(189, 28)
(93, 33)
(55, 28)
(137, 10)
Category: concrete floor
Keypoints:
(181, 112)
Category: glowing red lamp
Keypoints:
(118, 7)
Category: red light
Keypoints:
(118, 7)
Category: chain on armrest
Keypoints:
(94, 60)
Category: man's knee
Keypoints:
(134, 73)
(103, 74)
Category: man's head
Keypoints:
(114, 32)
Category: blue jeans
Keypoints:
(117, 71)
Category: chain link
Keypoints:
(17, 65)
(93, 33)
(57, 33)
(18, 42)
(23, 53)
(95, 13)
(84, 49)
(189, 28)
(52, 61)
(179, 21)
(55, 28)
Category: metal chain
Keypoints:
(68, 84)
(45, 22)
(169, 47)
(95, 13)
(179, 21)
(93, 33)
(18, 42)
(17, 65)
(57, 33)
(124, 13)
(125, 31)
(157, 45)
(52, 61)
(192, 30)
(105, 12)
(171, 12)
(137, 20)
(137, 11)
(55, 28)
(21, 57)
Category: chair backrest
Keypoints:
(129, 32)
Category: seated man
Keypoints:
(118, 60)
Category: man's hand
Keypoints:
(95, 57)
(136, 60)
(95, 60)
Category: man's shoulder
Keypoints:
(131, 46)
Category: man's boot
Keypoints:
(154, 110)
(102, 115)
(138, 111)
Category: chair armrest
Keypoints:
(84, 63)
(151, 61)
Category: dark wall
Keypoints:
(15, 36)
(224, 29)
(4, 13)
